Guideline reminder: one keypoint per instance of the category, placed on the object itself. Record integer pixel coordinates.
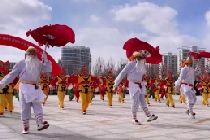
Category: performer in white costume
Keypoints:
(31, 95)
(186, 84)
(137, 89)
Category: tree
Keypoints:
(98, 67)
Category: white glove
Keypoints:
(114, 87)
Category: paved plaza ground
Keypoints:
(102, 122)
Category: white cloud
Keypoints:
(105, 42)
(156, 19)
(207, 16)
(108, 42)
(16, 18)
(83, 0)
(94, 18)
(206, 40)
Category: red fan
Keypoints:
(134, 44)
(53, 35)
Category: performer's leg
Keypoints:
(109, 97)
(180, 98)
(167, 101)
(123, 97)
(83, 102)
(71, 95)
(157, 96)
(2, 103)
(171, 100)
(9, 98)
(203, 101)
(38, 112)
(119, 98)
(25, 113)
(145, 108)
(134, 108)
(162, 94)
(191, 99)
(46, 93)
(88, 100)
(63, 93)
(102, 96)
(77, 94)
(205, 96)
(59, 97)
(103, 93)
(6, 103)
(209, 95)
(147, 99)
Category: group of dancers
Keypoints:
(34, 93)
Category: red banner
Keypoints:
(17, 42)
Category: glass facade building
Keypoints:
(73, 58)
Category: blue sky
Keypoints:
(104, 25)
(190, 12)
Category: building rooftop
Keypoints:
(169, 53)
(75, 47)
(187, 47)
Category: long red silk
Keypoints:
(199, 55)
(17, 42)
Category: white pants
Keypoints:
(190, 99)
(26, 111)
(139, 100)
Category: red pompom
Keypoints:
(45, 122)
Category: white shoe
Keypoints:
(62, 108)
(136, 122)
(192, 115)
(25, 131)
(152, 118)
(40, 127)
(187, 112)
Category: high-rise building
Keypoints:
(207, 65)
(153, 69)
(73, 58)
(183, 53)
(169, 63)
